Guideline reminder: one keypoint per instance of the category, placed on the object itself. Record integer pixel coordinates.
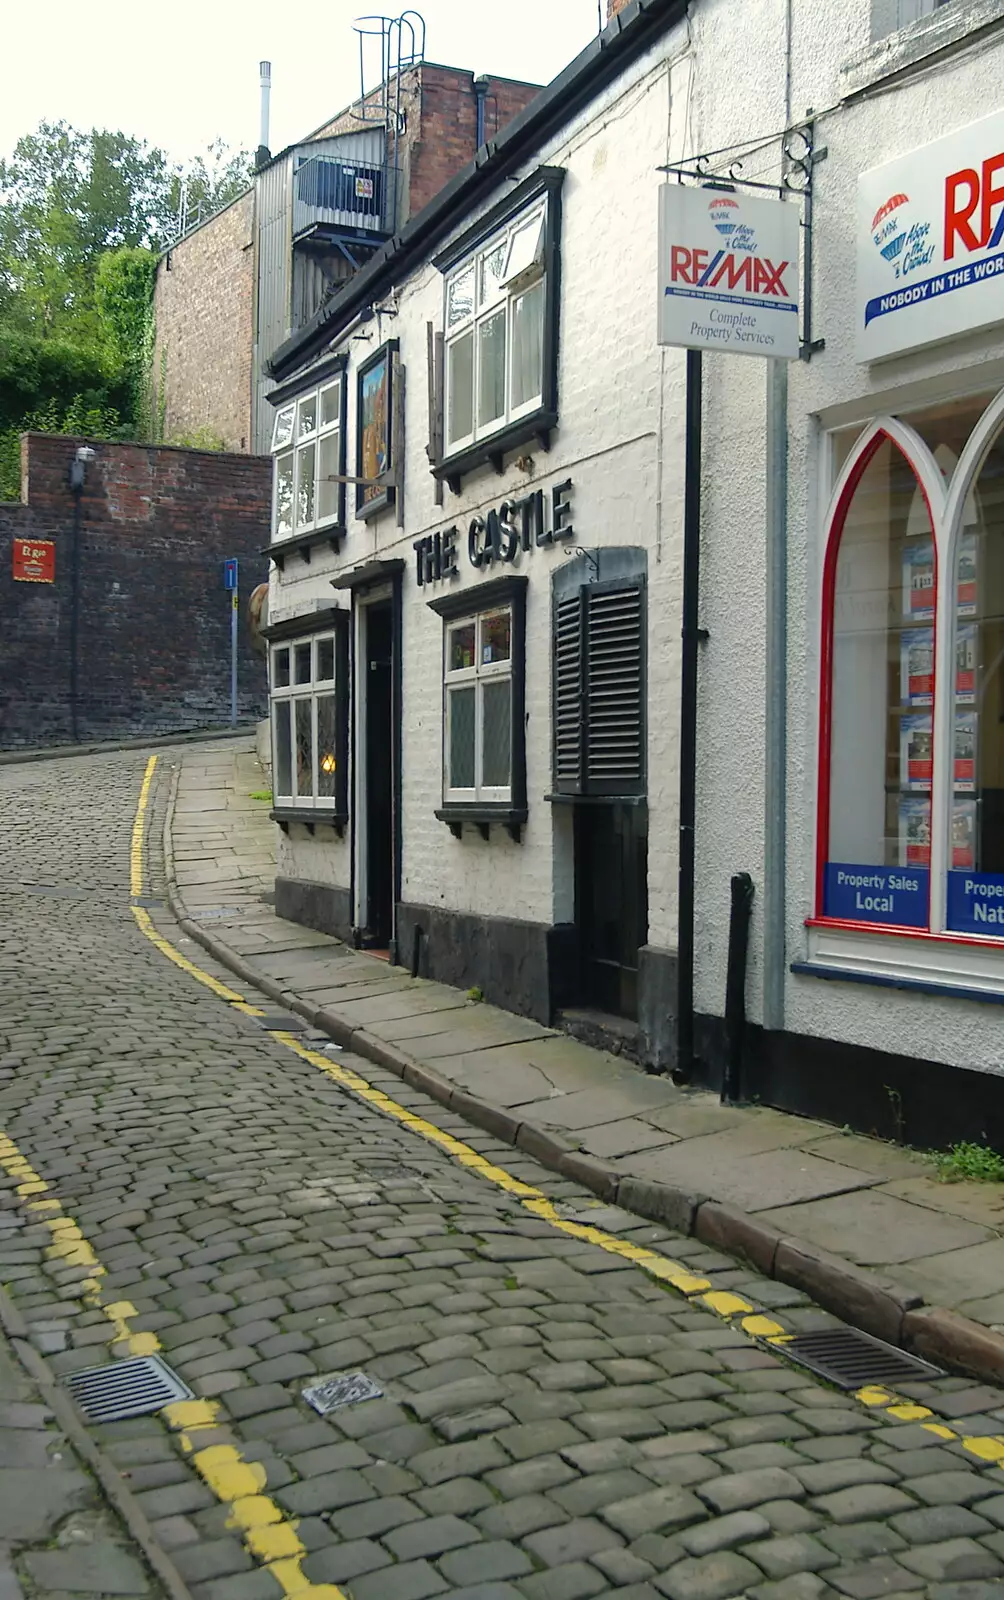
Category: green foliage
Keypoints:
(82, 218)
(81, 418)
(475, 994)
(967, 1160)
(261, 794)
(197, 439)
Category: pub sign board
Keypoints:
(728, 272)
(930, 239)
(34, 561)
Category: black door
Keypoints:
(611, 902)
(379, 775)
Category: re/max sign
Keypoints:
(724, 269)
(517, 525)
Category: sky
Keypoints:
(182, 74)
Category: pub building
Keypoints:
(478, 572)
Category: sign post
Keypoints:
(230, 581)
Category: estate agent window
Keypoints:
(307, 448)
(308, 701)
(911, 799)
(500, 323)
(484, 774)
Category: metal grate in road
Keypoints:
(133, 1388)
(851, 1359)
(341, 1389)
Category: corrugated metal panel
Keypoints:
(366, 147)
(314, 274)
(341, 181)
(275, 250)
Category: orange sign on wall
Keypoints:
(34, 561)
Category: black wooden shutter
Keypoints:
(599, 692)
(569, 695)
(615, 683)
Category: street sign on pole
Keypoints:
(230, 584)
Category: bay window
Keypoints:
(484, 772)
(911, 788)
(309, 459)
(500, 327)
(308, 683)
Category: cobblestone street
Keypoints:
(556, 1420)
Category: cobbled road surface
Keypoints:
(554, 1423)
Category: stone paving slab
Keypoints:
(820, 1184)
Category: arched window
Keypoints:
(877, 755)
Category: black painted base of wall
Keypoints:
(322, 906)
(926, 1104)
(526, 967)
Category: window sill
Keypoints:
(303, 544)
(312, 817)
(512, 818)
(948, 30)
(596, 799)
(492, 451)
(932, 963)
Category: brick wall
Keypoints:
(613, 6)
(203, 304)
(446, 135)
(154, 629)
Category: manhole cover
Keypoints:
(341, 1389)
(127, 1389)
(851, 1359)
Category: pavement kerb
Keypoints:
(860, 1298)
(59, 752)
(107, 1474)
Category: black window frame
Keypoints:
(332, 531)
(470, 603)
(536, 425)
(290, 632)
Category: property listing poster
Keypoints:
(965, 577)
(917, 667)
(964, 834)
(915, 751)
(918, 580)
(964, 778)
(965, 664)
(914, 831)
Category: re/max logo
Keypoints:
(971, 196)
(707, 271)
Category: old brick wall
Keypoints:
(204, 305)
(613, 6)
(446, 136)
(156, 525)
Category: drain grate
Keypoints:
(341, 1389)
(147, 900)
(282, 1024)
(127, 1389)
(851, 1359)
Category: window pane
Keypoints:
(326, 760)
(284, 495)
(305, 485)
(304, 747)
(495, 637)
(527, 380)
(490, 274)
(460, 388)
(976, 849)
(302, 663)
(331, 404)
(881, 756)
(491, 369)
(280, 668)
(325, 660)
(283, 751)
(461, 651)
(306, 418)
(525, 248)
(460, 297)
(329, 455)
(282, 428)
(496, 732)
(461, 717)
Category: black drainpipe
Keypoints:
(78, 472)
(480, 93)
(692, 634)
(735, 986)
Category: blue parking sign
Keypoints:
(230, 573)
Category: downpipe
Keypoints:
(735, 986)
